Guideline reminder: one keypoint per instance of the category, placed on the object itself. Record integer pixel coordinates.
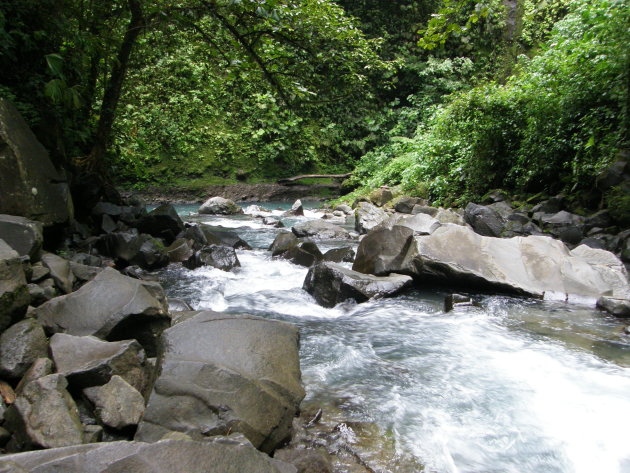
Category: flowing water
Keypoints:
(514, 385)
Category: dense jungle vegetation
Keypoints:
(446, 98)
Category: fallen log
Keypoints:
(313, 176)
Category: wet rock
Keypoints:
(531, 265)
(221, 257)
(20, 345)
(45, 415)
(319, 229)
(331, 283)
(88, 361)
(381, 196)
(484, 220)
(209, 357)
(386, 250)
(220, 455)
(31, 186)
(14, 294)
(108, 302)
(456, 300)
(339, 255)
(180, 250)
(178, 305)
(220, 206)
(282, 243)
(60, 272)
(117, 404)
(617, 307)
(304, 254)
(162, 222)
(223, 238)
(367, 217)
(296, 209)
(306, 460)
(273, 222)
(406, 204)
(23, 235)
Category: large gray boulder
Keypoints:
(31, 186)
(23, 235)
(117, 404)
(367, 217)
(406, 204)
(44, 415)
(223, 373)
(304, 254)
(88, 361)
(221, 257)
(421, 224)
(134, 249)
(111, 306)
(220, 206)
(282, 243)
(534, 265)
(219, 455)
(386, 250)
(223, 238)
(162, 222)
(14, 294)
(20, 345)
(484, 220)
(331, 283)
(320, 229)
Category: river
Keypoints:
(512, 386)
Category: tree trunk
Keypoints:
(95, 161)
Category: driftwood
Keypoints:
(314, 176)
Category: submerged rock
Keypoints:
(331, 283)
(219, 455)
(220, 206)
(210, 356)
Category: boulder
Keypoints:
(534, 265)
(282, 243)
(39, 272)
(331, 283)
(108, 225)
(110, 306)
(14, 294)
(617, 307)
(304, 254)
(117, 404)
(31, 186)
(484, 220)
(445, 216)
(368, 216)
(162, 222)
(20, 345)
(306, 460)
(60, 271)
(131, 248)
(88, 361)
(23, 235)
(209, 357)
(457, 300)
(44, 415)
(223, 238)
(406, 204)
(218, 455)
(83, 272)
(551, 206)
(386, 250)
(221, 257)
(180, 250)
(220, 206)
(611, 176)
(566, 226)
(41, 367)
(319, 229)
(421, 224)
(424, 209)
(346, 209)
(273, 222)
(107, 208)
(297, 208)
(340, 255)
(381, 196)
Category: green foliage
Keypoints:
(555, 124)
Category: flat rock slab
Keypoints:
(99, 306)
(225, 373)
(169, 456)
(88, 361)
(534, 265)
(331, 283)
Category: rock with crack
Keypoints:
(223, 373)
(331, 283)
(117, 404)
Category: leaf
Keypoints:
(55, 64)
